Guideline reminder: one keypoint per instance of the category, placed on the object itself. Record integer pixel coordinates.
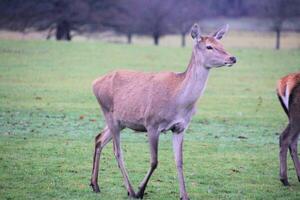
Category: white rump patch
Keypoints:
(286, 98)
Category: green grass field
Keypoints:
(49, 118)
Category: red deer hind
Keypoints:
(288, 91)
(155, 103)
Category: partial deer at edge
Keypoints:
(288, 91)
(155, 103)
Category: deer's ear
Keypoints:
(195, 31)
(221, 32)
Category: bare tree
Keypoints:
(62, 16)
(154, 18)
(279, 11)
(230, 8)
(184, 14)
(127, 19)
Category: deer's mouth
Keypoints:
(228, 64)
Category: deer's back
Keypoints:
(134, 96)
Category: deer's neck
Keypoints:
(195, 78)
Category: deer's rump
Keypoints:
(286, 87)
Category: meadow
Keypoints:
(49, 118)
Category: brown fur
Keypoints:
(148, 92)
(289, 137)
(289, 81)
(214, 43)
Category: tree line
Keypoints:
(155, 18)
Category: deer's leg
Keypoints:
(100, 141)
(177, 147)
(284, 141)
(294, 151)
(153, 142)
(119, 158)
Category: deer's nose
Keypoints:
(232, 59)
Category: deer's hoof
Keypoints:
(140, 195)
(131, 195)
(285, 182)
(95, 187)
(184, 198)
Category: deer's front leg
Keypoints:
(153, 136)
(177, 148)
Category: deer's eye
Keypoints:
(209, 47)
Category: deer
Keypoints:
(156, 103)
(288, 92)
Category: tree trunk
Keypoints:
(129, 37)
(49, 34)
(63, 30)
(182, 39)
(156, 39)
(278, 38)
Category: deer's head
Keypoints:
(209, 48)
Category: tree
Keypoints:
(184, 14)
(279, 11)
(63, 16)
(126, 20)
(154, 18)
(229, 8)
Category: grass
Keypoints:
(49, 117)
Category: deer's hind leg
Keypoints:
(294, 132)
(284, 142)
(294, 153)
(100, 141)
(294, 121)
